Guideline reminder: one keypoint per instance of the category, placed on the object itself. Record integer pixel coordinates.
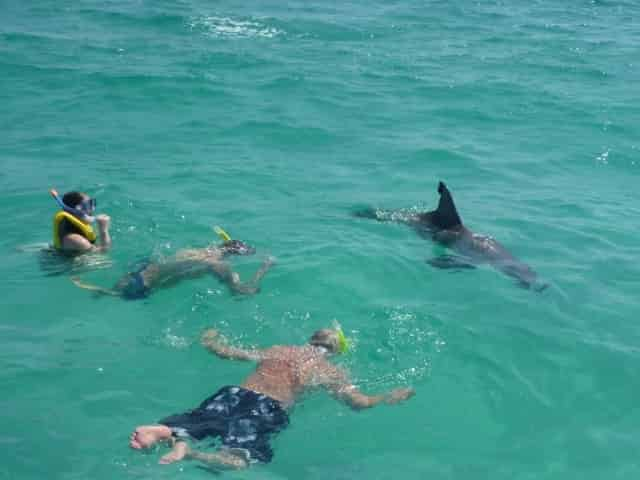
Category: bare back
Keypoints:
(283, 373)
(188, 263)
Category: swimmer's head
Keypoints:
(333, 340)
(237, 247)
(80, 202)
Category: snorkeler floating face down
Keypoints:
(186, 264)
(260, 404)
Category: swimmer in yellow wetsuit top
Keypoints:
(72, 225)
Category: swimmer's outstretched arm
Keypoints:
(264, 268)
(223, 270)
(94, 288)
(338, 384)
(357, 400)
(216, 344)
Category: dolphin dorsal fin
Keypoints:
(446, 215)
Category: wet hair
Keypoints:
(73, 199)
(237, 247)
(325, 338)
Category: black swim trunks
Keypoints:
(241, 418)
(135, 287)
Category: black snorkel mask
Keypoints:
(233, 247)
(237, 247)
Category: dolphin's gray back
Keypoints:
(486, 249)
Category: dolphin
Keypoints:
(444, 226)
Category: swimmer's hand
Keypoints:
(210, 337)
(399, 395)
(104, 221)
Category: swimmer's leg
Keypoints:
(94, 288)
(179, 451)
(228, 459)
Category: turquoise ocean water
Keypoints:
(276, 120)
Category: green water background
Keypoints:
(276, 120)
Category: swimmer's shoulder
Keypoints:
(288, 353)
(279, 351)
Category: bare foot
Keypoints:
(147, 435)
(179, 451)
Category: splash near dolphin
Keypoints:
(444, 226)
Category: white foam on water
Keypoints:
(174, 341)
(226, 27)
(603, 158)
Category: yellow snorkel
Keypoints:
(343, 342)
(224, 236)
(231, 246)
